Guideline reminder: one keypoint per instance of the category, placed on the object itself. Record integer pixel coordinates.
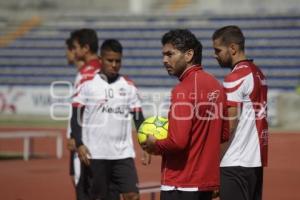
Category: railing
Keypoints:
(27, 137)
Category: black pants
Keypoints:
(72, 171)
(82, 186)
(182, 195)
(241, 183)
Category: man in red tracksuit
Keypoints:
(191, 152)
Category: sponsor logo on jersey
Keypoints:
(213, 96)
(123, 110)
(122, 92)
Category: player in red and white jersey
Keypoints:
(74, 160)
(85, 42)
(104, 139)
(245, 154)
(84, 47)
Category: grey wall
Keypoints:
(151, 6)
(248, 6)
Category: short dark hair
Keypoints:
(69, 43)
(111, 45)
(230, 34)
(184, 40)
(88, 37)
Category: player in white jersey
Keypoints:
(84, 44)
(245, 154)
(104, 141)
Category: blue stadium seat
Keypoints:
(38, 58)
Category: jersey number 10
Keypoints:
(109, 93)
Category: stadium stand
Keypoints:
(38, 57)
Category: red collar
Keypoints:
(241, 63)
(94, 63)
(189, 71)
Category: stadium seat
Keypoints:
(39, 56)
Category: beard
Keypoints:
(177, 67)
(226, 63)
(177, 70)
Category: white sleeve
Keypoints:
(239, 91)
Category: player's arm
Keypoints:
(180, 124)
(237, 85)
(76, 133)
(76, 127)
(178, 132)
(232, 123)
(138, 119)
(71, 144)
(70, 141)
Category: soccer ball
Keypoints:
(156, 126)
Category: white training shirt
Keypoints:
(88, 71)
(107, 128)
(245, 91)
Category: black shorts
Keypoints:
(241, 183)
(105, 178)
(124, 175)
(180, 195)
